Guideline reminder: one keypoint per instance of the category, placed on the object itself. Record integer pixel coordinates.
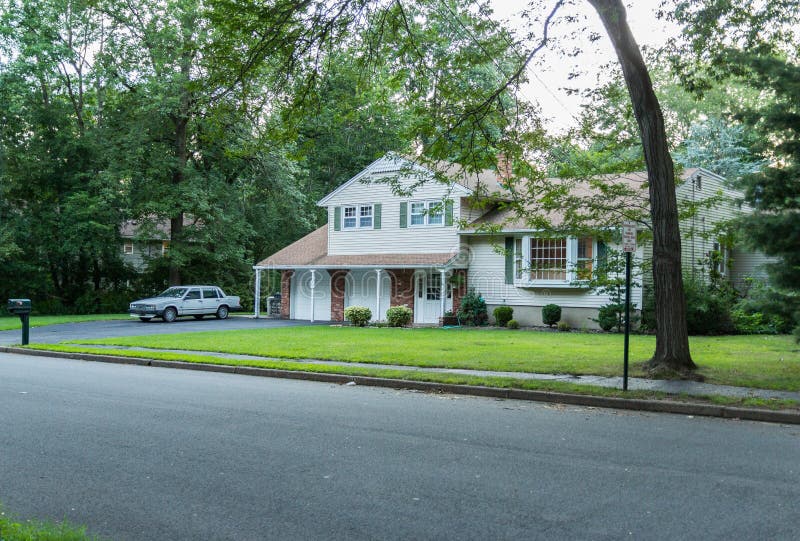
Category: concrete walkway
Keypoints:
(691, 388)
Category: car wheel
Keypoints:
(199, 316)
(145, 319)
(170, 314)
(222, 312)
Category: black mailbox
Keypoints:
(19, 306)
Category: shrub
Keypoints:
(399, 316)
(473, 309)
(708, 310)
(358, 315)
(502, 315)
(563, 326)
(756, 322)
(608, 317)
(551, 313)
(512, 324)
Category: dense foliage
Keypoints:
(473, 309)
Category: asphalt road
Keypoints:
(151, 453)
(133, 327)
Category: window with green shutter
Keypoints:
(376, 216)
(337, 218)
(448, 212)
(509, 260)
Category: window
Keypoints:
(553, 261)
(427, 213)
(365, 213)
(357, 216)
(210, 294)
(193, 294)
(164, 247)
(127, 248)
(417, 213)
(583, 265)
(548, 259)
(434, 290)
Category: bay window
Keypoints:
(553, 261)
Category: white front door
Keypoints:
(428, 297)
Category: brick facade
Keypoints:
(460, 290)
(286, 290)
(337, 294)
(402, 288)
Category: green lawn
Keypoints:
(769, 362)
(12, 529)
(12, 322)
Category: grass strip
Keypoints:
(12, 529)
(13, 322)
(766, 362)
(433, 377)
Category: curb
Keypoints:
(636, 404)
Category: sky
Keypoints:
(550, 77)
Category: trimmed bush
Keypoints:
(551, 314)
(502, 315)
(473, 309)
(608, 317)
(358, 315)
(399, 316)
(563, 326)
(512, 324)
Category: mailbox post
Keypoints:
(22, 308)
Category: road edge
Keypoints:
(636, 404)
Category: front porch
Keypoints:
(322, 294)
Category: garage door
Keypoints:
(302, 294)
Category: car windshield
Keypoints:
(174, 292)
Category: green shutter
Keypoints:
(509, 260)
(403, 215)
(448, 212)
(376, 213)
(602, 255)
(337, 218)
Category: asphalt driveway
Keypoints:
(51, 334)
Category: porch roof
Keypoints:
(311, 251)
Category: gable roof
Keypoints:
(311, 251)
(510, 219)
(486, 181)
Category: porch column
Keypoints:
(257, 298)
(378, 294)
(443, 294)
(313, 285)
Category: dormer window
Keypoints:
(357, 217)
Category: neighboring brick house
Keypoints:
(393, 238)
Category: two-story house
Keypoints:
(393, 238)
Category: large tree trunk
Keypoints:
(176, 221)
(672, 338)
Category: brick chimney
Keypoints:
(505, 168)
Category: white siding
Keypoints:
(749, 264)
(487, 275)
(700, 232)
(391, 238)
